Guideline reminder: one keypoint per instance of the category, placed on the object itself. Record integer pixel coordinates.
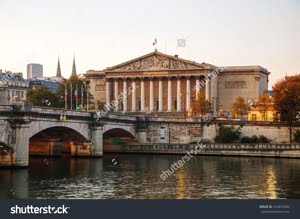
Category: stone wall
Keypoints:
(253, 150)
(156, 133)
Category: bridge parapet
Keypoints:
(61, 111)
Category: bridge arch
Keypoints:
(128, 128)
(117, 136)
(57, 139)
(79, 127)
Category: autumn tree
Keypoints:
(264, 104)
(200, 106)
(240, 108)
(287, 100)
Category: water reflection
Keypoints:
(138, 177)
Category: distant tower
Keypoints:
(74, 67)
(34, 70)
(58, 71)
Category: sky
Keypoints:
(103, 33)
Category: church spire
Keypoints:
(74, 67)
(58, 71)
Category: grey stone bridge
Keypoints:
(47, 131)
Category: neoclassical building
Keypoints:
(165, 83)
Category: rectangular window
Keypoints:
(253, 117)
(157, 105)
(175, 104)
(140, 106)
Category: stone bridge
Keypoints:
(51, 132)
(46, 131)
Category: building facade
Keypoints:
(167, 83)
(13, 88)
(34, 71)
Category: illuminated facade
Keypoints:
(167, 83)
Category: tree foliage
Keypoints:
(287, 99)
(264, 104)
(200, 106)
(240, 107)
(42, 96)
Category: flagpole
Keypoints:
(66, 96)
(76, 92)
(71, 96)
(87, 98)
(81, 96)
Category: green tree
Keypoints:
(287, 100)
(240, 108)
(200, 106)
(42, 96)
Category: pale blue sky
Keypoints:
(103, 33)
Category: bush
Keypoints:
(227, 135)
(263, 139)
(246, 139)
(297, 135)
(255, 139)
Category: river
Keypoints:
(129, 176)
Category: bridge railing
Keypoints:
(60, 111)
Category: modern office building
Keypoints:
(34, 71)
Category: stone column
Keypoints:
(197, 87)
(160, 95)
(151, 95)
(21, 145)
(178, 95)
(116, 95)
(133, 95)
(142, 95)
(207, 90)
(188, 94)
(107, 94)
(124, 95)
(97, 141)
(169, 95)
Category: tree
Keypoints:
(264, 104)
(200, 106)
(81, 84)
(42, 96)
(287, 100)
(240, 108)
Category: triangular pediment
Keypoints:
(156, 61)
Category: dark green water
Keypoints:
(138, 177)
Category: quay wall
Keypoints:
(255, 150)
